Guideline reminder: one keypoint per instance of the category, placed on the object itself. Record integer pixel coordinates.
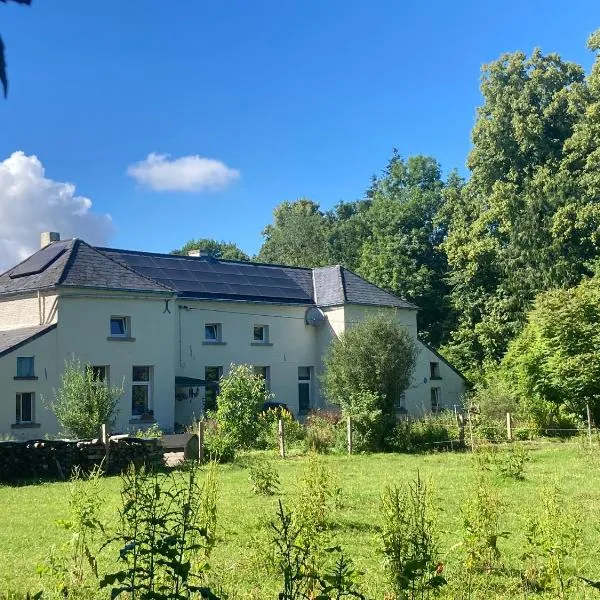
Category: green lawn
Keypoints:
(28, 529)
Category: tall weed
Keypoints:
(409, 541)
(553, 537)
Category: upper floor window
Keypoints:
(434, 370)
(25, 367)
(120, 327)
(260, 334)
(213, 332)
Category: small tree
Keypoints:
(367, 369)
(83, 402)
(241, 397)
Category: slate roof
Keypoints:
(83, 266)
(14, 338)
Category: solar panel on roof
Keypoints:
(212, 278)
(39, 262)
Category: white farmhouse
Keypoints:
(166, 328)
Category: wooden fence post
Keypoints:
(349, 433)
(509, 427)
(106, 441)
(589, 420)
(471, 432)
(201, 441)
(281, 436)
(460, 419)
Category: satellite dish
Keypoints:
(314, 316)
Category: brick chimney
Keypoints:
(48, 237)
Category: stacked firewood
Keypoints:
(57, 459)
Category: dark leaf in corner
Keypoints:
(3, 79)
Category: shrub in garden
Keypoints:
(75, 571)
(219, 445)
(302, 577)
(268, 437)
(318, 495)
(241, 397)
(482, 521)
(264, 478)
(410, 541)
(323, 431)
(367, 369)
(511, 461)
(430, 432)
(83, 403)
(163, 538)
(553, 538)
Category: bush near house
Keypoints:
(366, 370)
(83, 402)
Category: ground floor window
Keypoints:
(265, 374)
(304, 389)
(100, 374)
(435, 400)
(212, 375)
(24, 408)
(141, 391)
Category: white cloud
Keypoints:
(186, 174)
(31, 203)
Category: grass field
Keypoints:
(28, 515)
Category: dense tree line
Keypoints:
(474, 254)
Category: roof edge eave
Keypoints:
(31, 338)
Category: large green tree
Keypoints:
(297, 236)
(224, 250)
(403, 250)
(504, 245)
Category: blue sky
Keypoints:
(303, 98)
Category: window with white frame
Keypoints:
(25, 407)
(436, 400)
(260, 334)
(265, 374)
(120, 327)
(141, 391)
(213, 332)
(304, 389)
(25, 367)
(100, 374)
